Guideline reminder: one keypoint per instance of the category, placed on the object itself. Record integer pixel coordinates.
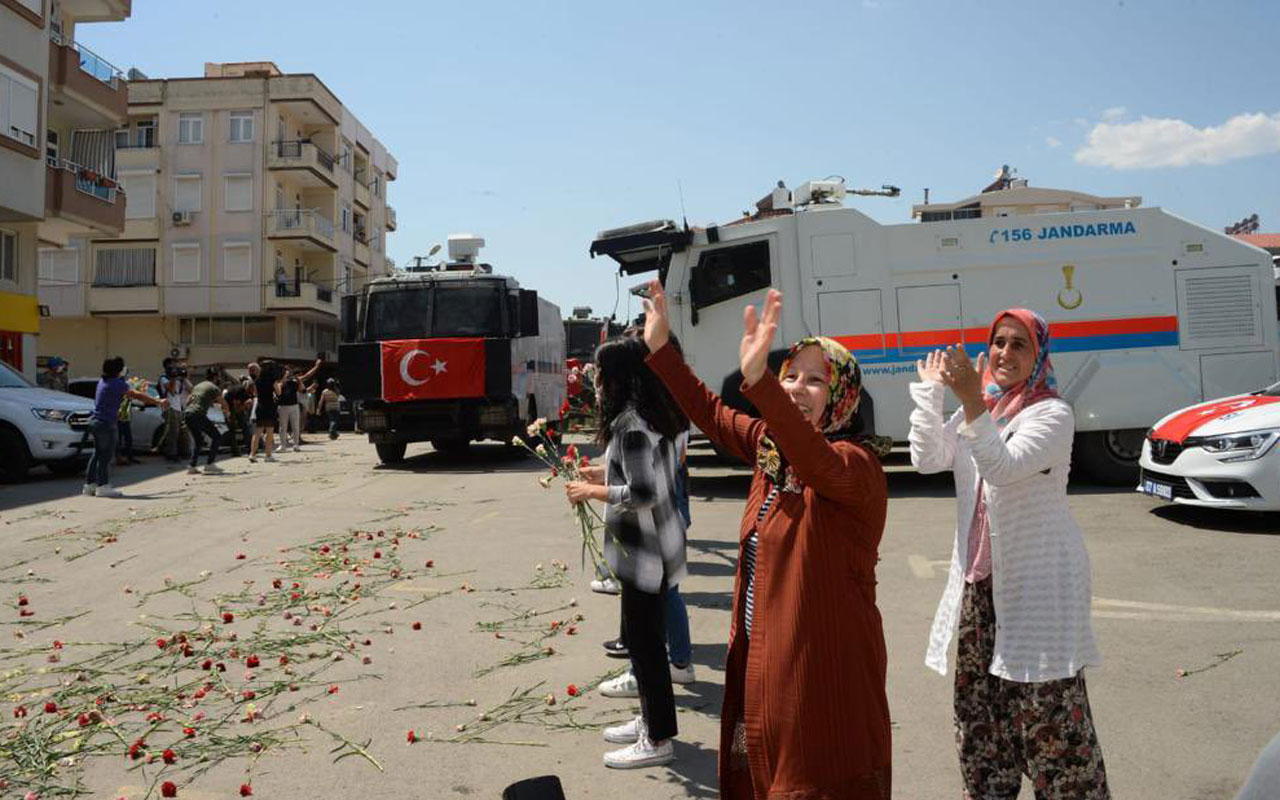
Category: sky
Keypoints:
(537, 124)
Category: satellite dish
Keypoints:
(435, 248)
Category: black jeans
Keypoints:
(124, 444)
(98, 471)
(333, 423)
(201, 426)
(647, 642)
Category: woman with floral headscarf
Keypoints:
(805, 714)
(1019, 579)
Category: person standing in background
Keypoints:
(196, 416)
(238, 401)
(290, 409)
(112, 388)
(174, 387)
(265, 410)
(329, 405)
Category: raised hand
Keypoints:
(757, 337)
(964, 378)
(657, 323)
(931, 366)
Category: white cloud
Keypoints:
(1156, 142)
(1114, 113)
(1052, 141)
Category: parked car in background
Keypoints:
(1220, 454)
(40, 427)
(146, 421)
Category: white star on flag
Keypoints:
(439, 366)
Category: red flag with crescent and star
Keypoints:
(432, 369)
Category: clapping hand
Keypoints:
(930, 367)
(657, 322)
(964, 378)
(758, 330)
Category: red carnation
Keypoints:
(168, 789)
(207, 664)
(248, 694)
(154, 716)
(571, 690)
(333, 688)
(161, 643)
(169, 756)
(50, 707)
(585, 462)
(190, 733)
(572, 630)
(228, 617)
(19, 712)
(22, 600)
(135, 749)
(57, 645)
(411, 737)
(251, 661)
(284, 660)
(430, 563)
(324, 548)
(417, 626)
(83, 719)
(277, 583)
(239, 557)
(246, 790)
(377, 554)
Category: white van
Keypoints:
(1149, 312)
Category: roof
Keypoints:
(1027, 196)
(1267, 241)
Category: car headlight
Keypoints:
(1232, 447)
(52, 414)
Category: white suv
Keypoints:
(40, 426)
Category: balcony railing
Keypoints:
(94, 184)
(90, 62)
(297, 149)
(300, 294)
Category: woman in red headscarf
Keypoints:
(1019, 579)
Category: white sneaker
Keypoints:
(297, 449)
(193, 470)
(107, 490)
(682, 675)
(269, 458)
(626, 733)
(606, 586)
(253, 459)
(89, 490)
(214, 469)
(622, 686)
(644, 753)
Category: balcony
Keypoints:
(124, 299)
(76, 198)
(308, 164)
(306, 228)
(300, 296)
(391, 218)
(362, 192)
(98, 10)
(86, 90)
(360, 249)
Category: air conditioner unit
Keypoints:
(182, 218)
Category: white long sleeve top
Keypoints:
(1039, 566)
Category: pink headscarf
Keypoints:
(1005, 404)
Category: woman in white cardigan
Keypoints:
(1019, 578)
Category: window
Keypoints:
(238, 192)
(295, 333)
(347, 158)
(227, 330)
(308, 336)
(346, 218)
(122, 137)
(59, 267)
(237, 261)
(52, 148)
(139, 194)
(186, 263)
(260, 330)
(146, 133)
(190, 129)
(326, 339)
(8, 256)
(186, 193)
(19, 106)
(242, 126)
(125, 266)
(728, 272)
(186, 331)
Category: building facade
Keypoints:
(59, 105)
(1008, 197)
(255, 200)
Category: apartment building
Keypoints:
(59, 105)
(1009, 196)
(255, 200)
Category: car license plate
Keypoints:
(1157, 489)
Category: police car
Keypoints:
(1220, 454)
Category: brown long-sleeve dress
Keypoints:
(810, 687)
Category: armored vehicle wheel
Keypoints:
(391, 453)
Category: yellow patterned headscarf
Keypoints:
(844, 380)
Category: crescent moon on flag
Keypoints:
(404, 368)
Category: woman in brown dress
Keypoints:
(805, 714)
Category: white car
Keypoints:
(1219, 454)
(40, 426)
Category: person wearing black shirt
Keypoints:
(290, 411)
(266, 411)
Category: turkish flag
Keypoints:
(432, 369)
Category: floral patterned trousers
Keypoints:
(1005, 729)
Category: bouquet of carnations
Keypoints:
(568, 465)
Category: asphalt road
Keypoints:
(1185, 611)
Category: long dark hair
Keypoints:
(625, 380)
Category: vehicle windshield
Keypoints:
(582, 337)
(469, 310)
(10, 378)
(398, 314)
